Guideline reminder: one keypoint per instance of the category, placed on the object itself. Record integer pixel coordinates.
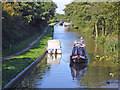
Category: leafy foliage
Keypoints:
(84, 14)
(21, 20)
(60, 17)
(100, 39)
(96, 18)
(111, 45)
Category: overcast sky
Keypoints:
(61, 5)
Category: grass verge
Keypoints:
(52, 24)
(15, 65)
(21, 45)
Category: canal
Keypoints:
(55, 71)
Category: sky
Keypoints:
(61, 5)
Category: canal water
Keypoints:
(56, 71)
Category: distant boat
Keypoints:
(66, 24)
(61, 23)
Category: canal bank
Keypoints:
(28, 47)
(15, 65)
(58, 72)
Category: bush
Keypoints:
(100, 39)
(111, 45)
(52, 24)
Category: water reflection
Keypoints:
(78, 70)
(53, 59)
(33, 78)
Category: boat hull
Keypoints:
(55, 51)
(61, 24)
(65, 25)
(78, 59)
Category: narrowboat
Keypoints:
(79, 54)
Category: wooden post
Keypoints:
(96, 30)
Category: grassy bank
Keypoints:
(19, 46)
(52, 24)
(15, 65)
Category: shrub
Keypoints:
(111, 45)
(100, 39)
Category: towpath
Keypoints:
(28, 47)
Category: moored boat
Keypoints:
(61, 23)
(65, 24)
(54, 46)
(78, 54)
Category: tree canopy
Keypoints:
(18, 19)
(99, 19)
(98, 16)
